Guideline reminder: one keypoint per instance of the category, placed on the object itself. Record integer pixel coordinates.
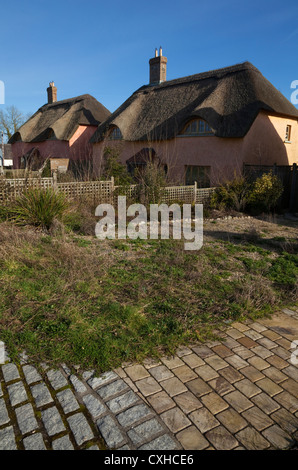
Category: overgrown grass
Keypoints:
(79, 300)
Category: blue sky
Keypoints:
(103, 48)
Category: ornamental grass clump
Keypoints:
(39, 207)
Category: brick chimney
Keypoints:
(52, 93)
(158, 68)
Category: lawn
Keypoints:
(69, 298)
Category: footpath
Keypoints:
(240, 392)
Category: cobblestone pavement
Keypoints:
(237, 393)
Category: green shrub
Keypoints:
(38, 207)
(233, 195)
(265, 192)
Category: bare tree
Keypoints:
(11, 120)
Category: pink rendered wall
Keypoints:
(263, 144)
(76, 148)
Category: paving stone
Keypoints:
(148, 386)
(221, 439)
(187, 402)
(285, 343)
(258, 363)
(26, 418)
(292, 372)
(287, 421)
(103, 379)
(222, 351)
(258, 327)
(206, 372)
(1, 391)
(278, 437)
(287, 401)
(234, 333)
(164, 442)
(214, 403)
(275, 374)
(277, 362)
(252, 373)
(110, 432)
(68, 401)
(192, 439)
(248, 388)
(134, 414)
(252, 439)
(52, 421)
(31, 374)
(240, 326)
(265, 403)
(216, 362)
(193, 360)
(80, 428)
(17, 393)
(34, 442)
(41, 395)
(7, 439)
(257, 418)
(247, 342)
(231, 343)
(267, 343)
(95, 407)
(57, 379)
(231, 375)
(161, 402)
(161, 373)
(78, 385)
(238, 401)
(243, 352)
(119, 404)
(172, 362)
(137, 372)
(145, 431)
(271, 335)
(109, 391)
(185, 373)
(232, 420)
(10, 372)
(198, 387)
(175, 419)
(174, 386)
(4, 418)
(150, 362)
(281, 352)
(236, 361)
(203, 420)
(203, 351)
(221, 386)
(183, 351)
(62, 443)
(262, 352)
(253, 334)
(269, 387)
(291, 386)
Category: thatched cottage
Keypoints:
(58, 130)
(203, 127)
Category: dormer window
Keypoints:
(197, 127)
(115, 134)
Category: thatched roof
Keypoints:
(61, 119)
(229, 99)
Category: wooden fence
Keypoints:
(99, 191)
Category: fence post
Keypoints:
(112, 189)
(195, 186)
(293, 188)
(55, 180)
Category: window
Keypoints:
(115, 134)
(197, 127)
(200, 174)
(288, 134)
